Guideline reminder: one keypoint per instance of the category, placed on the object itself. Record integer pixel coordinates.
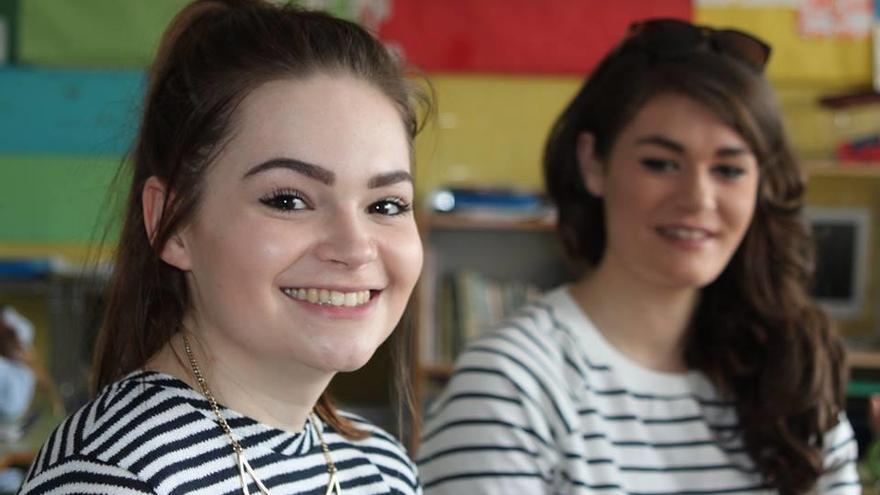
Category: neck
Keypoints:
(646, 322)
(281, 396)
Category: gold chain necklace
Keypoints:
(244, 466)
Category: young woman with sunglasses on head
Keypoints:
(690, 357)
(267, 244)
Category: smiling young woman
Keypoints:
(268, 244)
(690, 357)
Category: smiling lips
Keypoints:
(329, 297)
(686, 234)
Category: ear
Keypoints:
(591, 168)
(153, 197)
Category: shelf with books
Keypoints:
(477, 270)
(475, 222)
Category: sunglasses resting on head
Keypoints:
(669, 38)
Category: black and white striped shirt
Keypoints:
(150, 433)
(546, 405)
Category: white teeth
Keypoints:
(351, 298)
(337, 298)
(329, 297)
(685, 233)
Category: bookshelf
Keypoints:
(494, 249)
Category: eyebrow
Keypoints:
(325, 176)
(310, 170)
(389, 178)
(724, 152)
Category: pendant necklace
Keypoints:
(244, 467)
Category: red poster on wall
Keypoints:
(513, 36)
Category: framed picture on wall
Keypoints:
(842, 237)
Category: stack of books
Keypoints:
(470, 303)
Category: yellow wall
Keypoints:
(489, 129)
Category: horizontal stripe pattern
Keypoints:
(546, 405)
(151, 434)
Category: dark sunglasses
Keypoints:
(671, 37)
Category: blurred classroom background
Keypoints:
(71, 79)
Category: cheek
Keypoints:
(405, 257)
(279, 245)
(251, 247)
(741, 205)
(626, 207)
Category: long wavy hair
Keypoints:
(756, 332)
(212, 55)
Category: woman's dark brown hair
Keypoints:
(213, 54)
(756, 332)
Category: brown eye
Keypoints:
(729, 171)
(389, 207)
(659, 165)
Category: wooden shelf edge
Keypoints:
(453, 221)
(833, 168)
(863, 359)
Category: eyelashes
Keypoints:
(392, 207)
(728, 172)
(291, 200)
(285, 200)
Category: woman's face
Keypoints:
(679, 189)
(304, 247)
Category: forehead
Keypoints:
(683, 119)
(327, 120)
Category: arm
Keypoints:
(841, 453)
(488, 432)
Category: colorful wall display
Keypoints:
(835, 18)
(801, 57)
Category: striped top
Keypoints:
(151, 433)
(546, 405)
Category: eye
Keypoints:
(285, 200)
(660, 165)
(729, 172)
(390, 207)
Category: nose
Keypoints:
(697, 191)
(347, 241)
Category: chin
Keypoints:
(352, 360)
(691, 280)
(349, 364)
